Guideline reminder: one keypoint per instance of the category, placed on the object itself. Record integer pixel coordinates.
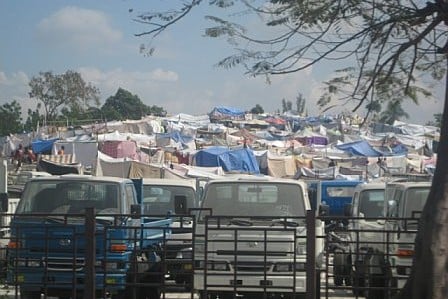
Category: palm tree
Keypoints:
(394, 111)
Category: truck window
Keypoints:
(255, 199)
(60, 197)
(129, 198)
(371, 203)
(159, 199)
(340, 191)
(415, 201)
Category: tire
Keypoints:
(341, 268)
(29, 294)
(358, 279)
(375, 283)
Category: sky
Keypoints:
(97, 39)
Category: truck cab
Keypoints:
(175, 197)
(49, 234)
(250, 238)
(383, 235)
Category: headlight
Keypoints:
(301, 248)
(33, 263)
(185, 254)
(28, 263)
(288, 267)
(213, 265)
(285, 267)
(219, 266)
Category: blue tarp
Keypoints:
(360, 148)
(40, 146)
(241, 160)
(229, 111)
(363, 148)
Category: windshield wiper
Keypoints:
(240, 222)
(285, 222)
(55, 219)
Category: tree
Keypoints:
(394, 111)
(257, 109)
(437, 120)
(381, 47)
(300, 104)
(67, 91)
(34, 118)
(10, 119)
(124, 105)
(286, 105)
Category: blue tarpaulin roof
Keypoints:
(40, 146)
(363, 148)
(242, 160)
(360, 148)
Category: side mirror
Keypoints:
(180, 204)
(324, 210)
(392, 206)
(4, 202)
(348, 210)
(136, 211)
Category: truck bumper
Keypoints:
(66, 281)
(250, 282)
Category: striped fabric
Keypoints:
(60, 159)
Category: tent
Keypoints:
(240, 160)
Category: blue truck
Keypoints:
(50, 250)
(336, 194)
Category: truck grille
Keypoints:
(64, 264)
(245, 266)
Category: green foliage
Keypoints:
(33, 119)
(381, 45)
(257, 109)
(300, 104)
(66, 91)
(10, 119)
(124, 105)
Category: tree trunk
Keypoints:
(429, 277)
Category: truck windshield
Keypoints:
(159, 199)
(254, 199)
(415, 201)
(69, 197)
(371, 203)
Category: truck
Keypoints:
(48, 252)
(250, 239)
(366, 207)
(337, 194)
(175, 197)
(382, 249)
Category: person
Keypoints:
(332, 163)
(18, 156)
(29, 156)
(61, 150)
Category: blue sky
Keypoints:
(96, 38)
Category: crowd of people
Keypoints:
(23, 155)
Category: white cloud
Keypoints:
(162, 75)
(78, 28)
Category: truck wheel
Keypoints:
(341, 270)
(29, 294)
(374, 284)
(358, 279)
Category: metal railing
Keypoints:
(227, 257)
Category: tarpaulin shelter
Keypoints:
(240, 160)
(40, 146)
(226, 113)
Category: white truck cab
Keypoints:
(250, 238)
